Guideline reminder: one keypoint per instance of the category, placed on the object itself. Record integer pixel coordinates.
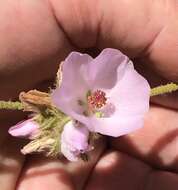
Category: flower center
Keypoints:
(97, 99)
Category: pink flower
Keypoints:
(26, 129)
(74, 141)
(106, 93)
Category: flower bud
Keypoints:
(74, 141)
(26, 129)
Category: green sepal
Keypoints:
(51, 123)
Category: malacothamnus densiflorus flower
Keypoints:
(106, 94)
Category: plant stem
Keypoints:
(163, 89)
(8, 105)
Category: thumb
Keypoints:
(141, 29)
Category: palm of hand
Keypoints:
(145, 159)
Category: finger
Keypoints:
(144, 29)
(139, 28)
(116, 170)
(157, 142)
(42, 173)
(31, 44)
(11, 162)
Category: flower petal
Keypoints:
(102, 71)
(76, 135)
(73, 86)
(131, 100)
(117, 126)
(27, 129)
(131, 94)
(68, 153)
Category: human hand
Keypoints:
(35, 34)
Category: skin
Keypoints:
(35, 34)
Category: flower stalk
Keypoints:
(9, 105)
(163, 89)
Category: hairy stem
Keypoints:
(8, 105)
(163, 89)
